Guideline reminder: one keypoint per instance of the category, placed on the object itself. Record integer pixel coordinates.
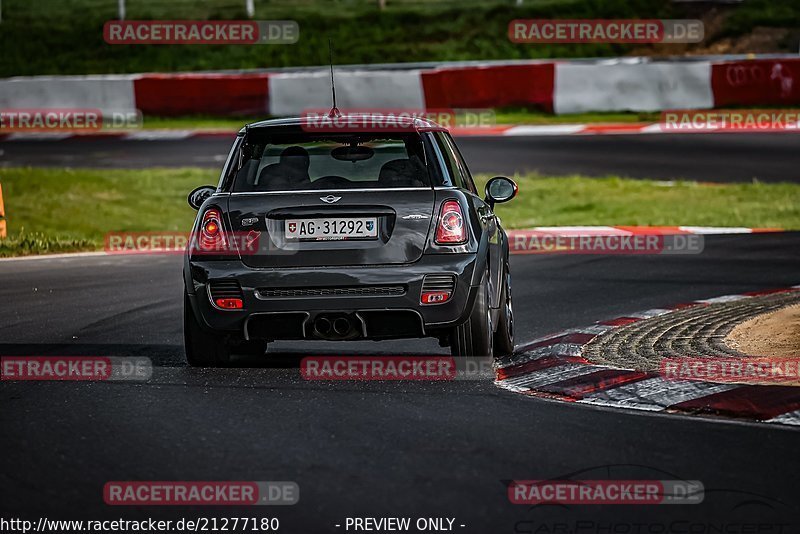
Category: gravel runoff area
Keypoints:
(767, 325)
(774, 334)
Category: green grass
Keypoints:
(530, 116)
(50, 209)
(502, 116)
(65, 36)
(25, 244)
(577, 200)
(198, 122)
(60, 210)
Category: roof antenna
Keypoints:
(334, 112)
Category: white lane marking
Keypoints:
(634, 230)
(40, 136)
(566, 349)
(56, 256)
(510, 387)
(790, 418)
(652, 129)
(582, 230)
(724, 298)
(555, 129)
(559, 349)
(592, 329)
(655, 394)
(551, 375)
(649, 313)
(154, 135)
(716, 229)
(595, 329)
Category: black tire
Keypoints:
(504, 335)
(203, 348)
(474, 337)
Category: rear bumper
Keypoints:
(292, 317)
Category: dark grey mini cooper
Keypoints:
(321, 234)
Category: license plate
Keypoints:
(332, 228)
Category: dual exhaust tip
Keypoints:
(333, 326)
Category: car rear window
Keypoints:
(269, 162)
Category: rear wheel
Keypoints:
(504, 336)
(474, 336)
(203, 348)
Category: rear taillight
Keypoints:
(434, 297)
(451, 228)
(226, 294)
(229, 304)
(212, 237)
(437, 288)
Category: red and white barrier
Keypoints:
(757, 82)
(561, 86)
(105, 93)
(490, 86)
(294, 93)
(582, 87)
(171, 95)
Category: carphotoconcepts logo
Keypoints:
(565, 240)
(758, 370)
(605, 31)
(217, 493)
(395, 120)
(630, 492)
(67, 119)
(736, 119)
(198, 243)
(75, 368)
(242, 32)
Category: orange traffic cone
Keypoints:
(2, 215)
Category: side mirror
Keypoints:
(500, 189)
(199, 195)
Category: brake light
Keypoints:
(451, 230)
(211, 234)
(229, 304)
(434, 297)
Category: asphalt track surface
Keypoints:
(374, 448)
(725, 157)
(371, 449)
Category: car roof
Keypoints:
(404, 120)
